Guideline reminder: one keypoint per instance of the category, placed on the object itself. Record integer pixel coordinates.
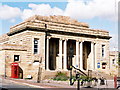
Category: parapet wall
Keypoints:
(58, 23)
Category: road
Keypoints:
(6, 84)
(10, 85)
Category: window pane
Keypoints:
(103, 50)
(16, 58)
(35, 46)
(35, 41)
(35, 51)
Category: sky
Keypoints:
(99, 14)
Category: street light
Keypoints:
(71, 52)
(5, 69)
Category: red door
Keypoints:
(14, 70)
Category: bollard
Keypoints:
(77, 78)
(78, 85)
(115, 81)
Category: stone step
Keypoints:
(101, 74)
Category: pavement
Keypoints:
(57, 85)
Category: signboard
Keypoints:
(98, 65)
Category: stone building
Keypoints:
(114, 62)
(49, 42)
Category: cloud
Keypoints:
(80, 9)
(77, 9)
(7, 12)
(13, 20)
(41, 9)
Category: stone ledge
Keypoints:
(13, 47)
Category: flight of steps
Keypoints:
(99, 74)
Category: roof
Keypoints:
(58, 19)
(113, 53)
(57, 23)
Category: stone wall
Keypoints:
(4, 38)
(27, 57)
(2, 62)
(114, 66)
(10, 59)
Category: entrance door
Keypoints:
(53, 52)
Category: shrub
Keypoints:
(61, 77)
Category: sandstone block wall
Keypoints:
(28, 57)
(2, 62)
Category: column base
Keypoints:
(47, 69)
(65, 69)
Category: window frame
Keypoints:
(18, 58)
(113, 61)
(36, 46)
(103, 50)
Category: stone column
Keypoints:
(77, 53)
(81, 55)
(47, 54)
(65, 55)
(60, 54)
(92, 56)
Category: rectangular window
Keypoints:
(35, 46)
(113, 61)
(36, 62)
(16, 58)
(103, 50)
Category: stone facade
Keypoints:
(48, 42)
(114, 62)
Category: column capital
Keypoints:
(61, 38)
(77, 40)
(81, 40)
(66, 39)
(93, 42)
(48, 37)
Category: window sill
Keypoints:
(17, 61)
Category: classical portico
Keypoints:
(58, 54)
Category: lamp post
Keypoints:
(5, 67)
(71, 52)
(71, 55)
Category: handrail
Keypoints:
(80, 71)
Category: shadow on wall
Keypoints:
(20, 73)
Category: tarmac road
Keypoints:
(6, 84)
(9, 85)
